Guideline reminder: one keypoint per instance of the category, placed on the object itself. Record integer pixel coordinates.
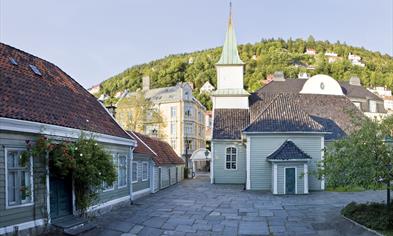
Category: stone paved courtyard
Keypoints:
(195, 207)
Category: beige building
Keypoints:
(183, 115)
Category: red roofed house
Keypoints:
(155, 165)
(37, 98)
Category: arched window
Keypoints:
(230, 158)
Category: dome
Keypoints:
(322, 84)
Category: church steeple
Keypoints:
(230, 55)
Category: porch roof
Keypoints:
(288, 151)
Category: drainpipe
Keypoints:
(130, 175)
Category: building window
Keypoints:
(231, 157)
(188, 111)
(373, 106)
(173, 129)
(357, 104)
(145, 171)
(173, 113)
(122, 171)
(19, 184)
(134, 172)
(105, 185)
(189, 129)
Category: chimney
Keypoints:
(145, 83)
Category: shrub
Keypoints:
(372, 215)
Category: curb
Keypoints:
(362, 226)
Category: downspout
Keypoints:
(130, 175)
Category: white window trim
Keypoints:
(118, 172)
(285, 173)
(147, 174)
(132, 176)
(225, 157)
(6, 180)
(113, 184)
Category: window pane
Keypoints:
(233, 150)
(234, 158)
(233, 165)
(134, 171)
(228, 158)
(228, 165)
(12, 159)
(11, 188)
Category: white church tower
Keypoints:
(230, 93)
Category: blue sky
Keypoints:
(92, 40)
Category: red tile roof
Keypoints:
(50, 98)
(163, 152)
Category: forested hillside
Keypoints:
(262, 58)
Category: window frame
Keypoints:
(231, 161)
(147, 170)
(132, 172)
(31, 202)
(118, 171)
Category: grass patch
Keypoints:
(372, 215)
(346, 189)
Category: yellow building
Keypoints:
(183, 115)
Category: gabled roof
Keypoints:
(334, 113)
(49, 96)
(282, 114)
(288, 151)
(230, 55)
(161, 151)
(142, 147)
(229, 123)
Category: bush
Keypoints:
(372, 215)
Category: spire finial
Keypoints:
(230, 12)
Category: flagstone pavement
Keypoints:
(196, 207)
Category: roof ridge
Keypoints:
(270, 103)
(143, 141)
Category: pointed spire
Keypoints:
(230, 55)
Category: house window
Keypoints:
(173, 113)
(105, 185)
(173, 129)
(19, 182)
(357, 104)
(373, 106)
(122, 171)
(145, 171)
(231, 157)
(134, 172)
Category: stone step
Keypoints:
(77, 230)
(73, 225)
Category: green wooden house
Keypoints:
(37, 98)
(166, 168)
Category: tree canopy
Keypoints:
(363, 158)
(262, 58)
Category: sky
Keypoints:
(92, 40)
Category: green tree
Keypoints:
(137, 113)
(362, 158)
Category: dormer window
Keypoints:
(35, 70)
